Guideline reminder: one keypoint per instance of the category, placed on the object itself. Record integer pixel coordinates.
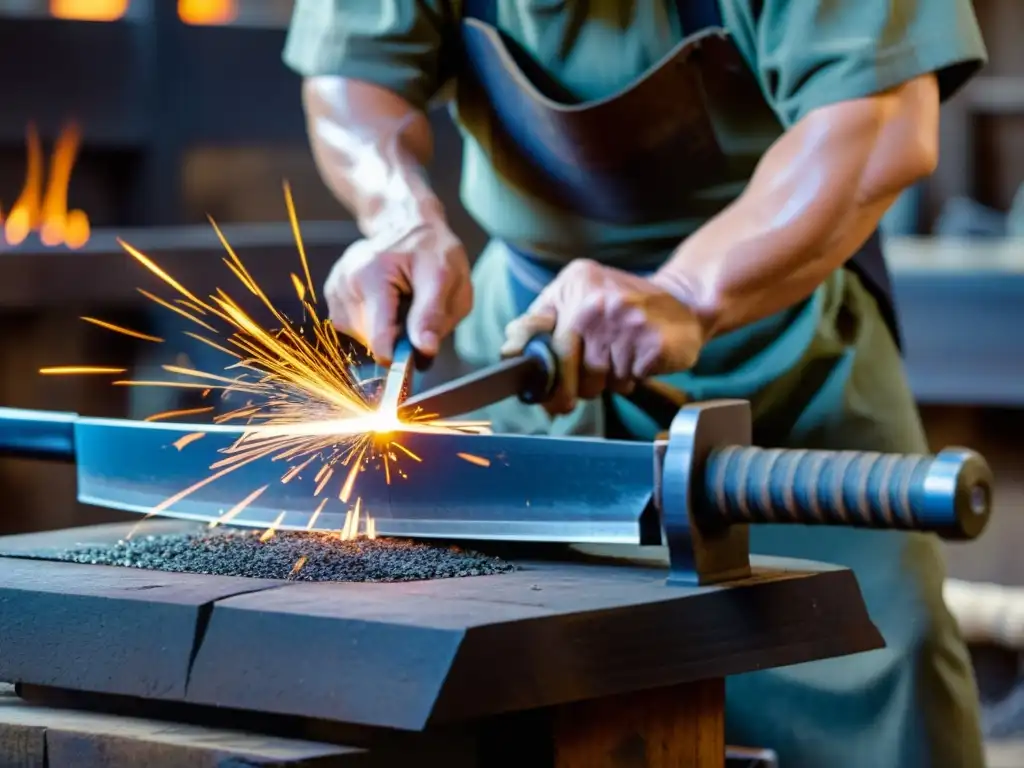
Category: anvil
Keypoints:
(694, 492)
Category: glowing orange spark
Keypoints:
(480, 461)
(298, 565)
(300, 289)
(148, 264)
(303, 405)
(269, 533)
(323, 477)
(239, 507)
(294, 219)
(297, 469)
(188, 439)
(316, 514)
(178, 310)
(350, 480)
(69, 370)
(122, 330)
(177, 413)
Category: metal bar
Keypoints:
(399, 378)
(37, 434)
(476, 390)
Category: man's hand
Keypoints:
(610, 329)
(364, 288)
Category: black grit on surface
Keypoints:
(294, 555)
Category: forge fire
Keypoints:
(42, 205)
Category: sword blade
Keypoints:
(531, 489)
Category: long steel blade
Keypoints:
(532, 489)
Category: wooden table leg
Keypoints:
(681, 726)
(677, 727)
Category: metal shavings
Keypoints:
(294, 555)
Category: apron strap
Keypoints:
(694, 15)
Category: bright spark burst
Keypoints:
(304, 405)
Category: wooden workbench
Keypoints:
(565, 664)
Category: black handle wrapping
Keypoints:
(32, 434)
(658, 400)
(544, 369)
(949, 494)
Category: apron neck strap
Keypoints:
(694, 15)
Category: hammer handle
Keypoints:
(949, 494)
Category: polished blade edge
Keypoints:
(534, 489)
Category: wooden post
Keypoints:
(676, 727)
(680, 726)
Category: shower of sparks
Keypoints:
(304, 406)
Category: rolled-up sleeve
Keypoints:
(396, 44)
(812, 53)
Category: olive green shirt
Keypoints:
(805, 54)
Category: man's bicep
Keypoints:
(812, 53)
(398, 45)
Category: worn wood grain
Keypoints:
(45, 737)
(415, 655)
(677, 727)
(104, 629)
(451, 650)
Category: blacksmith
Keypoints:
(688, 189)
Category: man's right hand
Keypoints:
(365, 286)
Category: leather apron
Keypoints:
(635, 157)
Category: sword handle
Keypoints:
(949, 494)
(28, 434)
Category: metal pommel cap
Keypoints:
(957, 486)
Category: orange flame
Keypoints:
(207, 12)
(47, 212)
(88, 10)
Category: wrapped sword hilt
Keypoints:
(713, 483)
(949, 494)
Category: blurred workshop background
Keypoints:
(137, 118)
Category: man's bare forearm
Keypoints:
(816, 196)
(371, 147)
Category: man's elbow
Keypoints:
(906, 149)
(922, 149)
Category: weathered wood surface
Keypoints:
(666, 728)
(408, 656)
(34, 736)
(669, 727)
(660, 728)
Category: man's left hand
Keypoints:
(609, 328)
